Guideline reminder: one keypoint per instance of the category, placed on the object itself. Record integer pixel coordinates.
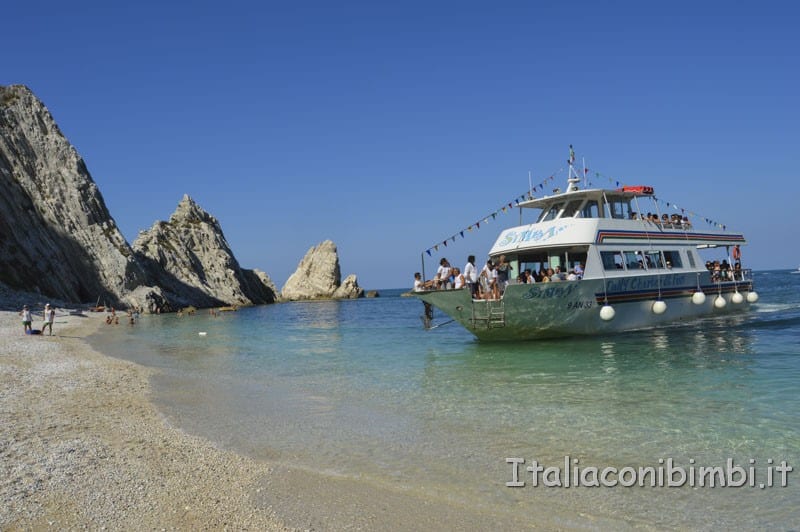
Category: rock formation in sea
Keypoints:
(189, 257)
(318, 277)
(56, 234)
(58, 239)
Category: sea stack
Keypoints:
(318, 277)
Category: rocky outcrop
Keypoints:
(56, 234)
(189, 257)
(349, 289)
(318, 277)
(58, 239)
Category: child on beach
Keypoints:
(26, 318)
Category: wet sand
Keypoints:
(81, 445)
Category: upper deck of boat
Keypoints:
(605, 216)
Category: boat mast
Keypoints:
(572, 176)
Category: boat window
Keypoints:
(673, 259)
(590, 210)
(612, 260)
(535, 263)
(571, 208)
(633, 260)
(551, 213)
(620, 208)
(575, 258)
(690, 254)
(653, 259)
(556, 260)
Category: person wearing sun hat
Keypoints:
(49, 316)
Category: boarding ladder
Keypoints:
(488, 313)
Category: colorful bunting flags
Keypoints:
(541, 187)
(502, 210)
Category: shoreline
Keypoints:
(83, 445)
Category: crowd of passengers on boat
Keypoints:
(676, 221)
(722, 271)
(491, 282)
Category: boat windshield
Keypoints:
(620, 208)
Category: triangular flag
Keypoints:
(428, 252)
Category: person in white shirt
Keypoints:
(49, 317)
(458, 281)
(495, 285)
(443, 274)
(471, 276)
(419, 284)
(488, 280)
(26, 318)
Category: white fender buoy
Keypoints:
(752, 297)
(737, 298)
(698, 298)
(659, 307)
(607, 313)
(720, 302)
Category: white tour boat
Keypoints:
(637, 273)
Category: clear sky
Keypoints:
(390, 126)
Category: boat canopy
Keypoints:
(598, 194)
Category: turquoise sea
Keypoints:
(359, 389)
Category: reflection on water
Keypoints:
(360, 387)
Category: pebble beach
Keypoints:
(82, 446)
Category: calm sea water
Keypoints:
(358, 388)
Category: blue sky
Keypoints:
(388, 127)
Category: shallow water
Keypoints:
(358, 388)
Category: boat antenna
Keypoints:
(530, 185)
(585, 173)
(572, 176)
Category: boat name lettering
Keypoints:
(645, 283)
(529, 235)
(575, 305)
(550, 292)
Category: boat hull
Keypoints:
(572, 308)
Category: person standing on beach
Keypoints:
(26, 318)
(49, 317)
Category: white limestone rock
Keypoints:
(190, 257)
(317, 276)
(349, 289)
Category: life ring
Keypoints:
(737, 253)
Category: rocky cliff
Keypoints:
(189, 258)
(56, 234)
(57, 237)
(318, 277)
